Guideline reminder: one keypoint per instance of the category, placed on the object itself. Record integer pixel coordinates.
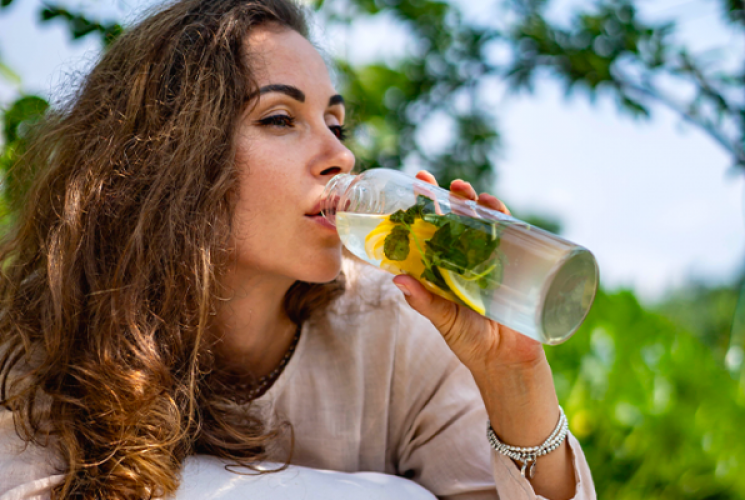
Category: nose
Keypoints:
(333, 158)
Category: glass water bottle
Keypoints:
(521, 276)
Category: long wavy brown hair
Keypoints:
(110, 275)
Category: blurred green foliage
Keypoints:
(438, 80)
(18, 121)
(611, 50)
(658, 416)
(714, 314)
(606, 49)
(655, 394)
(79, 25)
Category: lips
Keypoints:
(315, 215)
(315, 211)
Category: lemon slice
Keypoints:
(375, 240)
(438, 291)
(413, 265)
(467, 291)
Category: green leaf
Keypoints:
(427, 205)
(396, 246)
(21, 116)
(492, 279)
(442, 239)
(398, 216)
(413, 213)
(407, 216)
(80, 25)
(433, 276)
(443, 250)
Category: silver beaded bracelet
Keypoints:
(528, 455)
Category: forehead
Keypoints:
(283, 56)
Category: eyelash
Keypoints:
(278, 121)
(340, 131)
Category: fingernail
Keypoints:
(403, 289)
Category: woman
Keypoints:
(171, 292)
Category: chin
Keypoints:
(321, 270)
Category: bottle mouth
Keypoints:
(333, 195)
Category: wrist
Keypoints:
(521, 402)
(527, 456)
(523, 379)
(511, 354)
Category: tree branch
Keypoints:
(731, 146)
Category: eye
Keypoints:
(283, 121)
(340, 131)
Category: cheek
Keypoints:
(261, 214)
(270, 233)
(264, 179)
(267, 170)
(272, 243)
(260, 221)
(260, 238)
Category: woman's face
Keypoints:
(288, 146)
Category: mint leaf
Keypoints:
(396, 245)
(433, 276)
(398, 216)
(477, 246)
(492, 280)
(443, 251)
(414, 212)
(461, 244)
(428, 206)
(459, 248)
(407, 216)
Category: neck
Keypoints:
(254, 330)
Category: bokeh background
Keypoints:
(618, 123)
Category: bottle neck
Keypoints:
(333, 195)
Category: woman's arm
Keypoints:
(510, 370)
(523, 410)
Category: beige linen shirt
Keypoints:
(372, 386)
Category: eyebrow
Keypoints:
(289, 90)
(295, 93)
(336, 99)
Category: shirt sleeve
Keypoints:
(516, 487)
(439, 424)
(27, 471)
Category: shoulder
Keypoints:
(209, 477)
(367, 289)
(372, 312)
(27, 470)
(373, 307)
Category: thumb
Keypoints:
(444, 314)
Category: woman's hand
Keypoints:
(480, 343)
(510, 369)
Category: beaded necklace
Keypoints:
(266, 381)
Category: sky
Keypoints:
(655, 200)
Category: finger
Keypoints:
(493, 202)
(460, 189)
(443, 313)
(425, 176)
(464, 189)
